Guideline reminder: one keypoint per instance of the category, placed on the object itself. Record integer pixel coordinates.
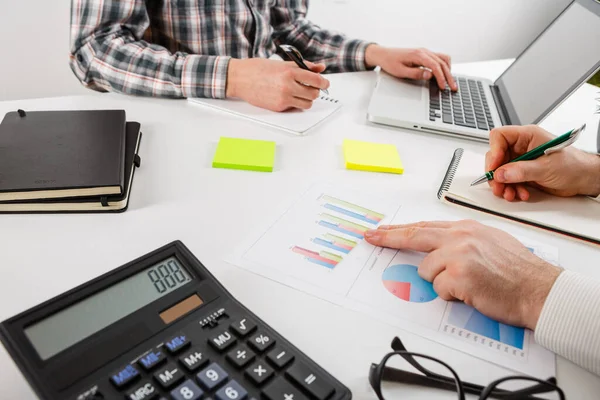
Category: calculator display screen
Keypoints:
(86, 317)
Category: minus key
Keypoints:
(279, 357)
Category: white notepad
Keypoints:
(295, 121)
(577, 217)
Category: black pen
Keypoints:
(294, 55)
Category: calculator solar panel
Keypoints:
(161, 327)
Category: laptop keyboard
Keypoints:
(467, 107)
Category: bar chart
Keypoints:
(335, 242)
(352, 210)
(465, 317)
(344, 226)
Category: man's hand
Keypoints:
(274, 85)
(568, 172)
(418, 64)
(482, 266)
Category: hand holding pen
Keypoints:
(293, 54)
(274, 85)
(529, 155)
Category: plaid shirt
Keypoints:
(182, 48)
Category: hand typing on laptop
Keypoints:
(418, 64)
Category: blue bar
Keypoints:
(322, 263)
(350, 213)
(338, 229)
(330, 245)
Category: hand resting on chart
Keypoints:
(493, 272)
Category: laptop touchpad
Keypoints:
(404, 88)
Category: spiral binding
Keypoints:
(447, 182)
(329, 99)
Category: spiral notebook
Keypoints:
(295, 121)
(576, 217)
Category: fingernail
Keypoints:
(371, 233)
(499, 176)
(426, 75)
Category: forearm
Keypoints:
(120, 64)
(336, 51)
(569, 324)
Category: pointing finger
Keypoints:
(408, 238)
(422, 224)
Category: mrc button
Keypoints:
(124, 375)
(145, 390)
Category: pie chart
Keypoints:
(404, 282)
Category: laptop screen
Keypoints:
(565, 55)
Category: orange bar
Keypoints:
(181, 308)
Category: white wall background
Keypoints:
(34, 34)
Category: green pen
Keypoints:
(552, 146)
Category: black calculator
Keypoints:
(160, 327)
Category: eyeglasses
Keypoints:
(385, 378)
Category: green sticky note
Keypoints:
(375, 157)
(246, 154)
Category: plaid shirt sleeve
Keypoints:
(108, 54)
(337, 52)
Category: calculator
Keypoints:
(160, 327)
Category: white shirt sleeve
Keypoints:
(569, 323)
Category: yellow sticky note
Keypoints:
(374, 157)
(246, 154)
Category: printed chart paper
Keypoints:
(318, 246)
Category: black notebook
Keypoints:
(62, 154)
(116, 203)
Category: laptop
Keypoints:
(563, 57)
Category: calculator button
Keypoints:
(279, 357)
(169, 375)
(144, 391)
(261, 342)
(310, 380)
(125, 375)
(280, 389)
(188, 390)
(232, 391)
(177, 343)
(240, 356)
(212, 376)
(193, 359)
(222, 340)
(152, 359)
(259, 372)
(243, 327)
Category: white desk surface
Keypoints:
(177, 195)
